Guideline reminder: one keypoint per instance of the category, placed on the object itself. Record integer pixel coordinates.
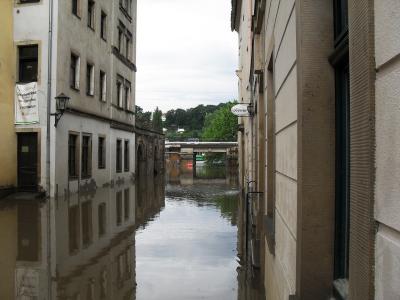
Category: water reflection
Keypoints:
(148, 240)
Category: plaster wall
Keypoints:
(387, 206)
(28, 32)
(8, 146)
(100, 177)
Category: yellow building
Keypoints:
(8, 148)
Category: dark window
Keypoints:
(91, 14)
(86, 156)
(119, 208)
(120, 38)
(103, 86)
(73, 228)
(74, 72)
(103, 26)
(341, 19)
(127, 96)
(102, 219)
(89, 80)
(28, 63)
(119, 93)
(86, 223)
(119, 156)
(75, 4)
(128, 47)
(126, 204)
(28, 1)
(340, 61)
(102, 153)
(126, 156)
(73, 155)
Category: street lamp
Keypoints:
(61, 105)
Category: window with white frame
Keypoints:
(103, 86)
(90, 79)
(74, 71)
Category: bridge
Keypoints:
(199, 147)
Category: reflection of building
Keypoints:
(8, 157)
(322, 80)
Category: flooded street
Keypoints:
(174, 236)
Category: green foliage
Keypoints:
(143, 119)
(221, 125)
(157, 120)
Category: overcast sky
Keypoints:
(186, 53)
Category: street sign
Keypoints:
(241, 110)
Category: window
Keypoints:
(74, 72)
(86, 223)
(28, 63)
(119, 92)
(103, 26)
(119, 208)
(126, 156)
(270, 162)
(340, 62)
(119, 156)
(86, 156)
(73, 155)
(91, 14)
(89, 80)
(128, 47)
(102, 152)
(28, 1)
(126, 203)
(120, 39)
(73, 228)
(75, 7)
(127, 95)
(102, 219)
(103, 86)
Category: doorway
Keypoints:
(27, 161)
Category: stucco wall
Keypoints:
(8, 146)
(280, 40)
(387, 205)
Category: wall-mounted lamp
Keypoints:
(61, 105)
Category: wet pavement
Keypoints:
(167, 237)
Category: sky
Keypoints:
(186, 54)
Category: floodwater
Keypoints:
(172, 236)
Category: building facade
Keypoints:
(8, 157)
(318, 165)
(86, 50)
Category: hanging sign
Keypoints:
(241, 110)
(26, 104)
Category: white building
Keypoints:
(86, 50)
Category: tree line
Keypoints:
(203, 122)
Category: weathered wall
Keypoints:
(8, 146)
(387, 205)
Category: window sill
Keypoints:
(77, 16)
(104, 39)
(102, 168)
(90, 95)
(74, 88)
(73, 178)
(341, 289)
(125, 13)
(84, 177)
(91, 28)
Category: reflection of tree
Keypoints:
(228, 204)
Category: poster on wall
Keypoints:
(26, 104)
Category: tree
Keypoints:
(157, 120)
(143, 119)
(221, 125)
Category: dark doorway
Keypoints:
(27, 161)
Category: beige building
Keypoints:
(318, 159)
(8, 144)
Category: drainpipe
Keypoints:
(48, 148)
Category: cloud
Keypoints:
(186, 53)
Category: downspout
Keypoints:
(48, 148)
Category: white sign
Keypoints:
(26, 104)
(241, 110)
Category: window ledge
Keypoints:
(73, 178)
(74, 88)
(341, 289)
(123, 59)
